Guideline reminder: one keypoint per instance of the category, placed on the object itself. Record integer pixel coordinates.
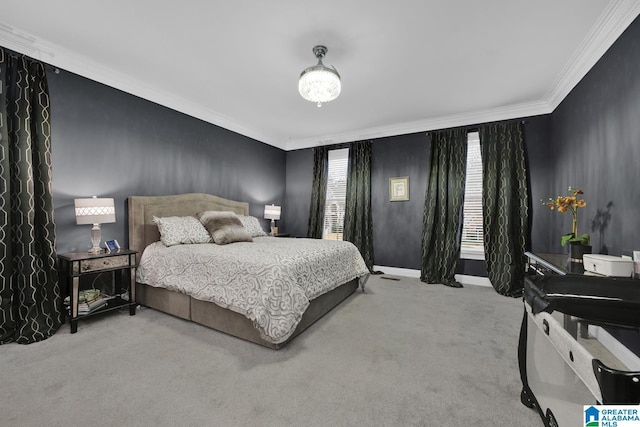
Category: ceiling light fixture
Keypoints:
(319, 83)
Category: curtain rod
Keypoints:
(476, 128)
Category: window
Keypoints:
(336, 194)
(472, 233)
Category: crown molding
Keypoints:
(57, 56)
(616, 18)
(465, 119)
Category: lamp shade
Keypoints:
(94, 211)
(272, 212)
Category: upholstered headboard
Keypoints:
(142, 230)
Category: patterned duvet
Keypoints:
(270, 280)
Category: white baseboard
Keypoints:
(473, 280)
(395, 271)
(618, 349)
(407, 272)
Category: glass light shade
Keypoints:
(319, 84)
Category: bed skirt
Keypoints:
(213, 316)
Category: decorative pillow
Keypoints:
(252, 225)
(176, 230)
(224, 227)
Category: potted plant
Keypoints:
(579, 243)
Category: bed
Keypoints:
(230, 315)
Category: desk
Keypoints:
(545, 264)
(615, 339)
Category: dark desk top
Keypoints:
(82, 256)
(557, 263)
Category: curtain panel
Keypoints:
(358, 221)
(318, 192)
(505, 205)
(30, 297)
(442, 219)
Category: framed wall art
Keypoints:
(399, 189)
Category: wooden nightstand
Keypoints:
(282, 235)
(72, 266)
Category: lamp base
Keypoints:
(96, 236)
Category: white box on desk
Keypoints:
(608, 265)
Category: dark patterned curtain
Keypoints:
(504, 205)
(30, 302)
(442, 221)
(358, 224)
(318, 192)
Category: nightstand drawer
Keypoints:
(104, 263)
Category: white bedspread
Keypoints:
(270, 280)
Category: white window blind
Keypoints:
(472, 234)
(336, 194)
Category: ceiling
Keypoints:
(406, 66)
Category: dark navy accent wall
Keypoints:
(112, 144)
(596, 141)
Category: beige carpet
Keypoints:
(403, 354)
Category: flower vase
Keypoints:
(576, 251)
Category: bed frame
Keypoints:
(142, 232)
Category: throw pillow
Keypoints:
(224, 227)
(176, 230)
(252, 225)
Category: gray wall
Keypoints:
(112, 144)
(538, 146)
(596, 141)
(398, 225)
(299, 177)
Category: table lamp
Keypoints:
(272, 212)
(95, 211)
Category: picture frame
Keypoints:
(399, 189)
(112, 245)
